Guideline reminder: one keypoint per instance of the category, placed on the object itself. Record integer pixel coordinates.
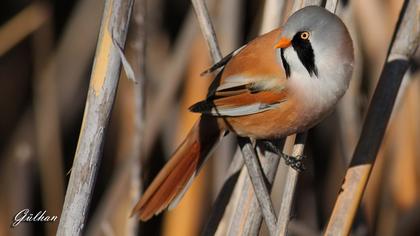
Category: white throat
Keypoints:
(320, 92)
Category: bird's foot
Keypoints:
(296, 162)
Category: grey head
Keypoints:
(314, 41)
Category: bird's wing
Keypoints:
(252, 81)
(240, 96)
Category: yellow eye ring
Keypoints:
(304, 35)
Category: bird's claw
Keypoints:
(296, 162)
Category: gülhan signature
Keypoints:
(25, 215)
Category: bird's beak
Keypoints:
(283, 43)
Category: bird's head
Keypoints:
(313, 42)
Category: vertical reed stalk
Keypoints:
(405, 42)
(104, 80)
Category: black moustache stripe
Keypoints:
(305, 53)
(285, 64)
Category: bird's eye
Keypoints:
(304, 35)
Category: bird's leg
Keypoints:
(296, 162)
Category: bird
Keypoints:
(282, 82)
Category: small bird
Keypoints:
(282, 82)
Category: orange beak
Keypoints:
(283, 43)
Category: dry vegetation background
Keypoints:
(46, 54)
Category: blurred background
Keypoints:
(46, 54)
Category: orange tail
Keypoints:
(176, 176)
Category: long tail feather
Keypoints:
(176, 176)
